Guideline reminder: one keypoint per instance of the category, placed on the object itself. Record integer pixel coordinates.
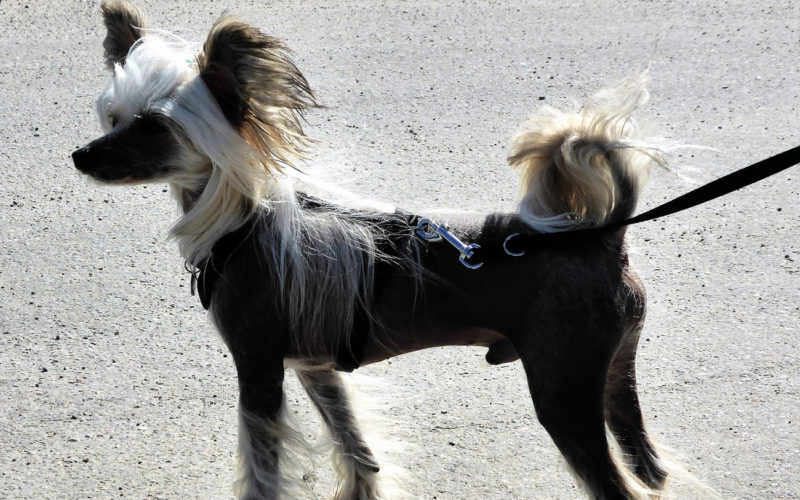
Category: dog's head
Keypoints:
(175, 115)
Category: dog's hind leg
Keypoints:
(566, 380)
(623, 414)
(624, 417)
(355, 465)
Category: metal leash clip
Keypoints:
(429, 230)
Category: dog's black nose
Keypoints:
(80, 158)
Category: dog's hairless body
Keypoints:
(295, 281)
(533, 306)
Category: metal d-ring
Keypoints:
(510, 252)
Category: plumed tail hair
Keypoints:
(586, 168)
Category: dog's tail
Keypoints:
(586, 168)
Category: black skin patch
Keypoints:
(142, 151)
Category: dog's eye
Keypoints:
(112, 120)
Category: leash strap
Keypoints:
(720, 187)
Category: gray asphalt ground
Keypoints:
(114, 384)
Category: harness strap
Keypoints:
(209, 269)
(207, 273)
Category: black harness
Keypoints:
(348, 357)
(206, 274)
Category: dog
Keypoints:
(295, 279)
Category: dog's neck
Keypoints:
(210, 209)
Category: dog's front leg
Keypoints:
(355, 465)
(257, 340)
(261, 429)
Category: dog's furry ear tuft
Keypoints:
(124, 24)
(258, 87)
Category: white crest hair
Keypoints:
(584, 168)
(323, 258)
(159, 78)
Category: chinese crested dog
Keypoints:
(294, 279)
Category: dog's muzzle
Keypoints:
(82, 158)
(94, 155)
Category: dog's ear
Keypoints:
(124, 24)
(259, 89)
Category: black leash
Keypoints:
(714, 189)
(722, 186)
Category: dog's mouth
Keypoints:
(110, 164)
(103, 169)
(110, 180)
